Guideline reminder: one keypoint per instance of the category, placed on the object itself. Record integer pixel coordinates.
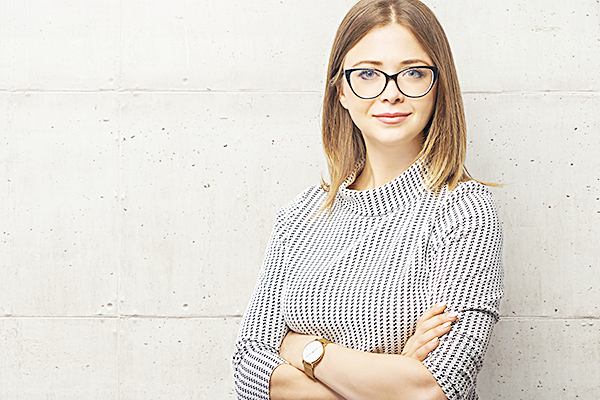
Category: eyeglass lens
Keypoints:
(370, 83)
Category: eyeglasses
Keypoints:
(369, 83)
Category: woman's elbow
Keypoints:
(418, 393)
(424, 387)
(432, 391)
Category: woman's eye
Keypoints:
(413, 73)
(368, 74)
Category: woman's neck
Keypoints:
(381, 168)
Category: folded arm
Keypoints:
(359, 375)
(352, 374)
(289, 383)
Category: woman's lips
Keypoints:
(391, 118)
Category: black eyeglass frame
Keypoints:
(394, 77)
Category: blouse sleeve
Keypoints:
(465, 263)
(262, 328)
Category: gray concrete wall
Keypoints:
(146, 146)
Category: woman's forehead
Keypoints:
(389, 46)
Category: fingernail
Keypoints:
(452, 315)
(441, 305)
(446, 325)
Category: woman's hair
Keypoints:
(444, 147)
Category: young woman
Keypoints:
(385, 283)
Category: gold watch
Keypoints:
(313, 354)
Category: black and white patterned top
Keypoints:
(364, 275)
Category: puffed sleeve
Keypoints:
(262, 328)
(465, 264)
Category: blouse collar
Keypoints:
(394, 195)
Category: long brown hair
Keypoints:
(444, 148)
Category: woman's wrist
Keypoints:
(292, 347)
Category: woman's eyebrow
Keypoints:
(379, 63)
(415, 61)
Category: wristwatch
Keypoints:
(313, 354)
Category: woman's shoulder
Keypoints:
(470, 207)
(306, 204)
(468, 189)
(471, 200)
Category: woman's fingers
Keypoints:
(433, 311)
(430, 327)
(427, 348)
(418, 342)
(436, 321)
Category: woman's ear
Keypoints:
(343, 99)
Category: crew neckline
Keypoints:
(392, 196)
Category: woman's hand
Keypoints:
(430, 327)
(292, 347)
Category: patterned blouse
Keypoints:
(363, 275)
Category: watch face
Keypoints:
(312, 352)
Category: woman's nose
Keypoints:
(391, 92)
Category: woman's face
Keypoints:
(392, 120)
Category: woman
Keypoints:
(357, 275)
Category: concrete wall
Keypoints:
(146, 146)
